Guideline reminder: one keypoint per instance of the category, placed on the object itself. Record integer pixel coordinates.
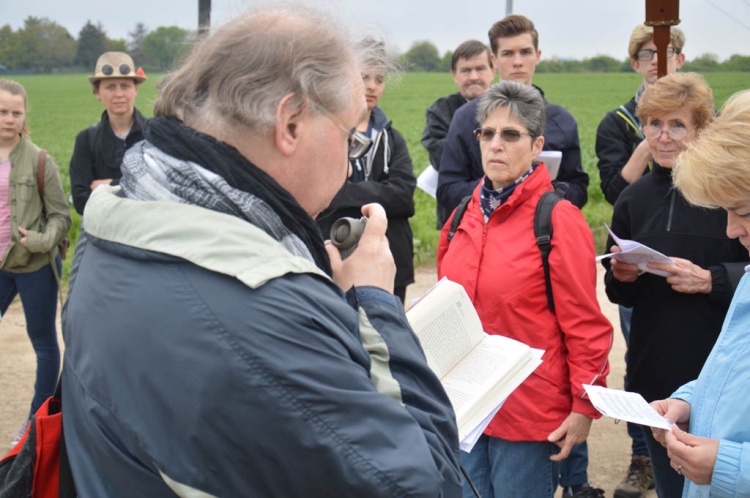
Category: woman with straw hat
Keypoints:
(100, 148)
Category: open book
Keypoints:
(477, 370)
(635, 253)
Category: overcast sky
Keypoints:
(567, 29)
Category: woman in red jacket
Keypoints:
(494, 255)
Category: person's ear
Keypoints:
(635, 65)
(289, 126)
(680, 60)
(537, 146)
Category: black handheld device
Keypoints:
(345, 234)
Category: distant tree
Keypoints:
(165, 46)
(135, 44)
(10, 48)
(706, 63)
(551, 65)
(445, 62)
(422, 56)
(92, 42)
(602, 64)
(117, 45)
(45, 45)
(737, 62)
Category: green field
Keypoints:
(62, 105)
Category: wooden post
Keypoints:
(661, 14)
(204, 17)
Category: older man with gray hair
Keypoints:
(215, 345)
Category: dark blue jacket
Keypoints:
(202, 356)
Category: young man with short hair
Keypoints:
(515, 53)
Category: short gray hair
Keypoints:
(237, 76)
(524, 101)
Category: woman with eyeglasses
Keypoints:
(99, 149)
(382, 173)
(494, 255)
(676, 319)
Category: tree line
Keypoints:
(424, 56)
(43, 46)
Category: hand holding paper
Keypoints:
(635, 253)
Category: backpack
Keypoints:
(38, 467)
(542, 231)
(64, 244)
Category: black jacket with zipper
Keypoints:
(672, 333)
(389, 181)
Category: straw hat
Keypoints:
(116, 65)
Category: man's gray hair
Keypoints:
(237, 76)
(524, 102)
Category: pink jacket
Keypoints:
(500, 266)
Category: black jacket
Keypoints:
(390, 183)
(437, 121)
(98, 155)
(672, 333)
(616, 139)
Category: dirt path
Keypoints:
(609, 446)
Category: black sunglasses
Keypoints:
(108, 70)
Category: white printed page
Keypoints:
(478, 382)
(446, 324)
(635, 253)
(624, 405)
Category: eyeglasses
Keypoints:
(647, 53)
(507, 136)
(108, 70)
(675, 132)
(359, 144)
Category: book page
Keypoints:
(446, 324)
(635, 253)
(482, 371)
(624, 405)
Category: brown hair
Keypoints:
(16, 89)
(467, 50)
(512, 25)
(675, 92)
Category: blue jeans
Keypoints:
(38, 291)
(668, 482)
(638, 444)
(573, 470)
(506, 468)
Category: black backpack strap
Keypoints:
(543, 234)
(457, 215)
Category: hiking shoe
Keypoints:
(21, 432)
(583, 491)
(640, 479)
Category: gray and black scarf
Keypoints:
(178, 164)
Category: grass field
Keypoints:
(62, 105)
